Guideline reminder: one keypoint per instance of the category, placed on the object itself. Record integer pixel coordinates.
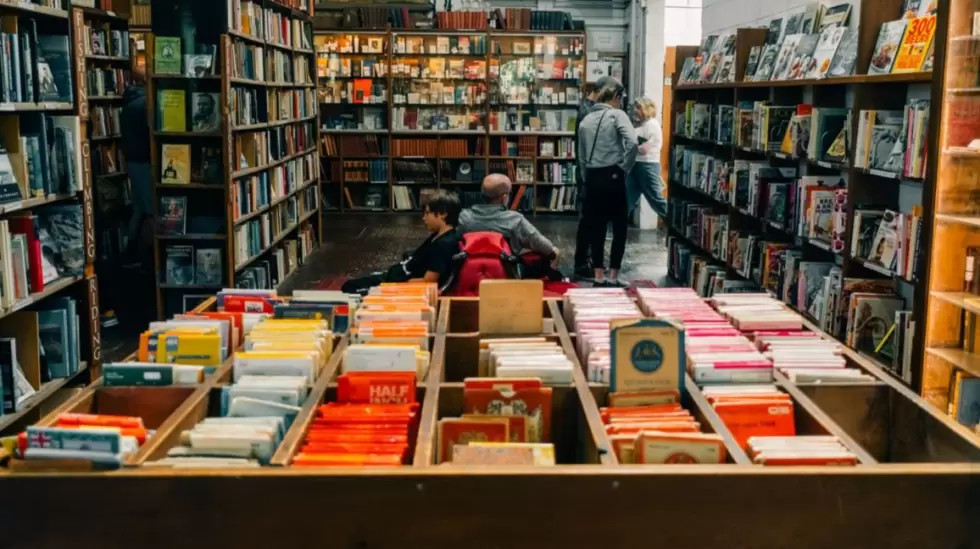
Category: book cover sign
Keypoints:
(647, 355)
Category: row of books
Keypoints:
(376, 391)
(188, 265)
(38, 344)
(893, 142)
(259, 149)
(252, 19)
(816, 43)
(43, 156)
(179, 164)
(421, 92)
(888, 241)
(253, 237)
(102, 82)
(172, 113)
(106, 42)
(876, 322)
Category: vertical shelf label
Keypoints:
(78, 33)
(95, 327)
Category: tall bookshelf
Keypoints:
(51, 309)
(951, 367)
(254, 176)
(855, 186)
(405, 112)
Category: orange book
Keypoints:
(321, 460)
(349, 435)
(640, 398)
(501, 383)
(915, 44)
(535, 404)
(453, 431)
(100, 420)
(746, 419)
(679, 448)
(376, 387)
(664, 426)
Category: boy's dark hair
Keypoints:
(445, 202)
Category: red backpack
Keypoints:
(482, 256)
(487, 256)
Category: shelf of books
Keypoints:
(404, 113)
(102, 57)
(49, 304)
(950, 373)
(508, 395)
(806, 178)
(235, 128)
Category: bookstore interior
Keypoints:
(816, 342)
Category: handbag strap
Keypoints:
(595, 138)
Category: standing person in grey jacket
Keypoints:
(583, 266)
(607, 148)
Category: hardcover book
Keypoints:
(166, 55)
(886, 48)
(175, 162)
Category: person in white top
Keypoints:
(644, 179)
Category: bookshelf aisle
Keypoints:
(951, 368)
(235, 129)
(406, 112)
(49, 297)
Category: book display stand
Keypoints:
(869, 209)
(49, 312)
(405, 112)
(907, 451)
(234, 127)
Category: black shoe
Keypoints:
(584, 272)
(601, 284)
(616, 284)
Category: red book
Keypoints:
(28, 226)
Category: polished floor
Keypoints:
(355, 244)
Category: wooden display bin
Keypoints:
(918, 461)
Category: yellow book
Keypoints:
(202, 348)
(915, 44)
(172, 110)
(175, 164)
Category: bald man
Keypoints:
(494, 216)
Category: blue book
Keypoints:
(968, 409)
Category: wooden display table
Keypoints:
(918, 484)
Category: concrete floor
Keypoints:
(359, 243)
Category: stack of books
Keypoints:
(104, 440)
(663, 432)
(753, 410)
(801, 450)
(588, 311)
(505, 421)
(536, 357)
(373, 422)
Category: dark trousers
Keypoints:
(582, 233)
(606, 189)
(363, 284)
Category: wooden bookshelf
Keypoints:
(865, 188)
(18, 318)
(950, 358)
(482, 136)
(300, 199)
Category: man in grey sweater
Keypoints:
(607, 148)
(495, 217)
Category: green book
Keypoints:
(138, 374)
(166, 55)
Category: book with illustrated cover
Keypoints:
(882, 141)
(173, 215)
(167, 55)
(775, 32)
(784, 59)
(208, 263)
(180, 265)
(811, 18)
(55, 73)
(840, 220)
(846, 56)
(803, 61)
(835, 16)
(870, 318)
(915, 44)
(777, 205)
(794, 24)
(811, 283)
(886, 48)
(885, 247)
(175, 164)
(830, 39)
(752, 63)
(197, 65)
(820, 216)
(206, 112)
(62, 238)
(863, 232)
(767, 63)
(172, 110)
